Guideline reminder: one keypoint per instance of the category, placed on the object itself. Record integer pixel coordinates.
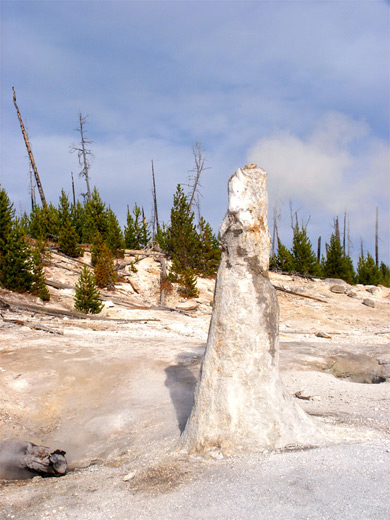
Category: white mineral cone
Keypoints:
(240, 401)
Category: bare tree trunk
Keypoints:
(29, 151)
(83, 153)
(344, 232)
(155, 211)
(376, 239)
(240, 401)
(199, 168)
(337, 229)
(32, 186)
(319, 250)
(73, 191)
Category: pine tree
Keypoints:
(96, 248)
(95, 217)
(137, 235)
(162, 237)
(337, 265)
(7, 214)
(210, 253)
(114, 237)
(64, 212)
(104, 268)
(15, 262)
(183, 242)
(187, 281)
(384, 271)
(87, 298)
(38, 284)
(305, 260)
(367, 272)
(284, 259)
(69, 240)
(78, 217)
(37, 225)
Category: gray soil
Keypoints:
(115, 396)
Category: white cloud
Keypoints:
(339, 167)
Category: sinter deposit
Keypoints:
(240, 401)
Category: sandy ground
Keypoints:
(116, 392)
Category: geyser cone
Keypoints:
(240, 401)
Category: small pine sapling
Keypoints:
(87, 298)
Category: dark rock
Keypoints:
(369, 303)
(352, 294)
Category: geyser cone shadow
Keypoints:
(181, 383)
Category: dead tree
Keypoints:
(344, 231)
(319, 250)
(376, 239)
(275, 232)
(83, 153)
(200, 159)
(29, 151)
(32, 187)
(74, 194)
(155, 209)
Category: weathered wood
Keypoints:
(282, 289)
(29, 151)
(22, 460)
(16, 306)
(33, 326)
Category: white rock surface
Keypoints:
(240, 401)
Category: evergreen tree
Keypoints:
(104, 268)
(96, 248)
(384, 271)
(183, 242)
(187, 280)
(305, 260)
(7, 214)
(284, 259)
(95, 217)
(162, 237)
(337, 265)
(69, 240)
(44, 222)
(15, 262)
(137, 235)
(64, 211)
(210, 253)
(37, 225)
(87, 298)
(114, 237)
(77, 217)
(38, 284)
(367, 272)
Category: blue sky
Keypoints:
(299, 87)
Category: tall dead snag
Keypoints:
(199, 159)
(155, 209)
(83, 153)
(376, 239)
(240, 401)
(29, 151)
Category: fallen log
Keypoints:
(283, 289)
(15, 307)
(34, 326)
(23, 460)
